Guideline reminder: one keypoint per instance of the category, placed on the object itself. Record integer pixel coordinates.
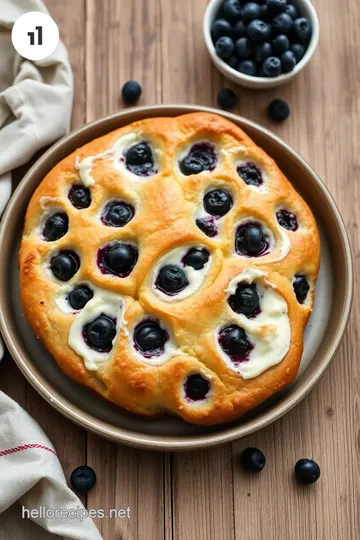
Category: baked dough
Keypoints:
(197, 304)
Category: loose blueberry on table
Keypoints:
(251, 174)
(171, 279)
(234, 342)
(278, 110)
(250, 240)
(207, 225)
(83, 478)
(218, 202)
(226, 97)
(80, 196)
(56, 226)
(196, 387)
(80, 296)
(118, 259)
(150, 338)
(287, 220)
(245, 300)
(196, 258)
(253, 460)
(201, 157)
(131, 92)
(301, 288)
(100, 333)
(117, 214)
(242, 26)
(64, 265)
(139, 159)
(307, 471)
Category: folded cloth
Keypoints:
(35, 110)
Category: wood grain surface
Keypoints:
(206, 495)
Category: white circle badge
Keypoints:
(35, 35)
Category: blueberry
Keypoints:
(234, 342)
(281, 43)
(278, 110)
(287, 220)
(272, 66)
(227, 98)
(232, 62)
(291, 10)
(218, 202)
(250, 12)
(80, 296)
(239, 30)
(117, 214)
(244, 48)
(250, 240)
(80, 196)
(208, 226)
(220, 28)
(259, 30)
(307, 471)
(201, 157)
(248, 67)
(232, 10)
(250, 174)
(65, 265)
(131, 92)
(245, 300)
(298, 49)
(196, 258)
(56, 226)
(196, 387)
(171, 279)
(100, 333)
(282, 24)
(139, 159)
(263, 51)
(276, 6)
(302, 29)
(288, 61)
(264, 13)
(224, 47)
(150, 338)
(118, 259)
(83, 478)
(301, 288)
(253, 460)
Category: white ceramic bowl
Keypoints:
(305, 8)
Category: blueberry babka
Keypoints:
(170, 267)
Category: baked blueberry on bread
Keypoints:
(170, 266)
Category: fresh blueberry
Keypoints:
(232, 62)
(281, 43)
(150, 338)
(65, 265)
(80, 296)
(232, 10)
(250, 240)
(301, 288)
(196, 258)
(276, 6)
(245, 300)
(117, 214)
(282, 24)
(234, 342)
(100, 333)
(250, 174)
(201, 157)
(131, 92)
(250, 12)
(56, 226)
(288, 61)
(208, 226)
(307, 471)
(227, 99)
(196, 387)
(291, 10)
(80, 196)
(259, 30)
(298, 49)
(218, 202)
(220, 28)
(224, 47)
(287, 220)
(171, 279)
(248, 67)
(302, 29)
(253, 460)
(83, 478)
(272, 66)
(263, 51)
(244, 48)
(278, 110)
(139, 159)
(118, 259)
(239, 30)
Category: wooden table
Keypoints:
(206, 495)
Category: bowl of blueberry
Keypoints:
(261, 43)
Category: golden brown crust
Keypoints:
(166, 204)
